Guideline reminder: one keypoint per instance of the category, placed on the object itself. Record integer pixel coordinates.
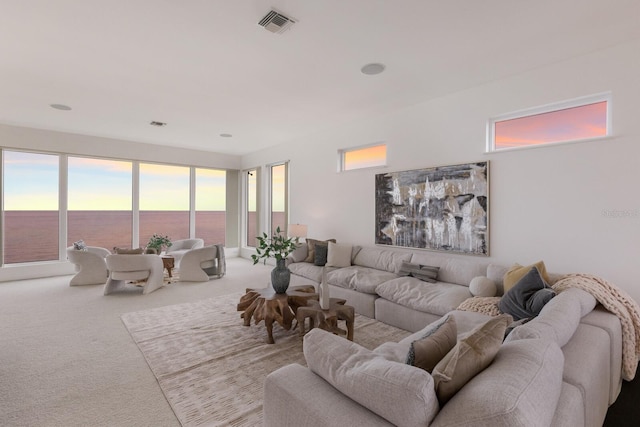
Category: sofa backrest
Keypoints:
(452, 269)
(558, 319)
(524, 382)
(381, 259)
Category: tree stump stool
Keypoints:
(265, 304)
(327, 319)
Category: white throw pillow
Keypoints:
(399, 393)
(481, 286)
(339, 255)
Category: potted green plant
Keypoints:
(157, 243)
(278, 246)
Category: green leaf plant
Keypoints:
(278, 246)
(157, 242)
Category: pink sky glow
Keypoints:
(587, 121)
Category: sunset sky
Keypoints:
(582, 122)
(31, 183)
(365, 157)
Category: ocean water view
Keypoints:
(33, 235)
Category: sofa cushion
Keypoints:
(307, 270)
(426, 352)
(520, 388)
(435, 298)
(361, 279)
(527, 297)
(371, 380)
(469, 357)
(339, 255)
(381, 259)
(517, 272)
(311, 248)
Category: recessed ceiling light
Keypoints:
(159, 124)
(372, 69)
(226, 135)
(60, 107)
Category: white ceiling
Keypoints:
(205, 67)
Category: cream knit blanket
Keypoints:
(617, 302)
(611, 297)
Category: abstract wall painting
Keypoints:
(443, 208)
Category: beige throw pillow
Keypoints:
(311, 246)
(426, 352)
(518, 271)
(339, 255)
(470, 356)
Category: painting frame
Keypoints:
(443, 208)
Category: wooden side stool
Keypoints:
(327, 319)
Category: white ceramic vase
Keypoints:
(323, 291)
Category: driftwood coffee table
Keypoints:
(265, 304)
(327, 319)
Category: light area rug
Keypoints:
(211, 368)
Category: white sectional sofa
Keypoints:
(371, 283)
(563, 368)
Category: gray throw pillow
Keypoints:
(527, 297)
(321, 251)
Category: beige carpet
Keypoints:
(211, 368)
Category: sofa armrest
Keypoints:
(295, 396)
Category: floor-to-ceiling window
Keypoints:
(211, 205)
(279, 197)
(164, 201)
(50, 201)
(30, 201)
(99, 208)
(251, 191)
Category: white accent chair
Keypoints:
(90, 265)
(134, 268)
(181, 247)
(198, 265)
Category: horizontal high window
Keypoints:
(363, 157)
(570, 121)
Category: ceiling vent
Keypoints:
(276, 22)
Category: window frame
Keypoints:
(343, 152)
(550, 108)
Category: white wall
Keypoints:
(545, 203)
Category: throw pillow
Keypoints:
(426, 352)
(470, 356)
(481, 286)
(127, 251)
(80, 245)
(339, 255)
(321, 251)
(311, 248)
(518, 271)
(426, 273)
(300, 253)
(527, 297)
